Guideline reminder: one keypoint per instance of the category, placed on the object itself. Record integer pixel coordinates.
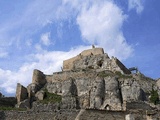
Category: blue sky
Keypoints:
(40, 34)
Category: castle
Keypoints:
(92, 80)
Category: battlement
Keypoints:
(68, 64)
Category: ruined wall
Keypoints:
(43, 115)
(118, 66)
(8, 101)
(38, 77)
(68, 64)
(61, 76)
(48, 78)
(78, 115)
(21, 93)
(93, 51)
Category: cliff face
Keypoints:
(94, 81)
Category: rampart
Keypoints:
(68, 64)
(61, 76)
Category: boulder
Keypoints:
(129, 117)
(24, 104)
(32, 89)
(40, 95)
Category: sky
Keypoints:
(40, 34)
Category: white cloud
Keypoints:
(136, 4)
(99, 21)
(45, 39)
(48, 62)
(102, 24)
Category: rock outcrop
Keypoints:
(90, 81)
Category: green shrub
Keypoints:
(11, 108)
(119, 74)
(104, 74)
(51, 98)
(154, 96)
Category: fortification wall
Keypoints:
(43, 115)
(68, 64)
(76, 115)
(93, 51)
(118, 66)
(61, 76)
(48, 78)
(8, 101)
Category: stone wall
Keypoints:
(38, 78)
(118, 66)
(93, 51)
(78, 115)
(21, 93)
(48, 78)
(61, 76)
(45, 115)
(8, 101)
(68, 64)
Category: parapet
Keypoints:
(93, 51)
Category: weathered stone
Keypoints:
(38, 78)
(112, 99)
(69, 64)
(55, 87)
(97, 93)
(69, 88)
(101, 61)
(131, 90)
(158, 86)
(129, 117)
(69, 102)
(21, 93)
(24, 104)
(83, 92)
(40, 95)
(32, 89)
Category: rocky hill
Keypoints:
(93, 86)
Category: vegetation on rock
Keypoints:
(51, 98)
(119, 74)
(154, 96)
(11, 108)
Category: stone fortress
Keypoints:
(92, 86)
